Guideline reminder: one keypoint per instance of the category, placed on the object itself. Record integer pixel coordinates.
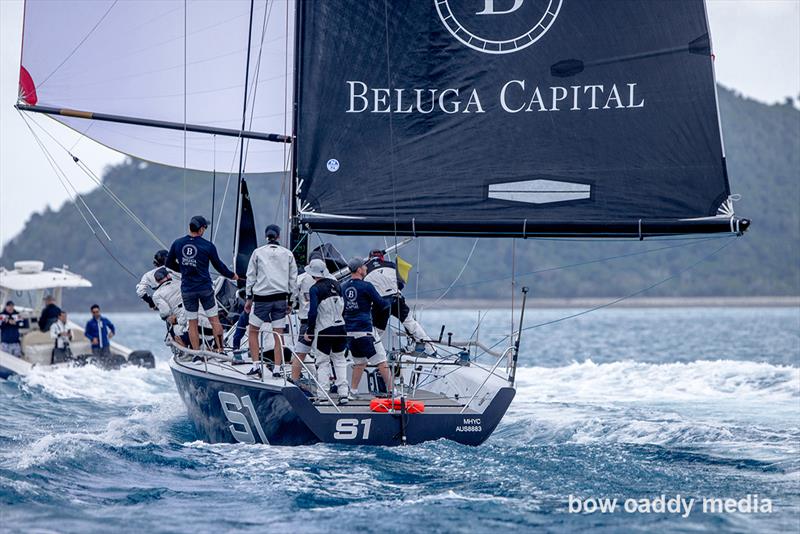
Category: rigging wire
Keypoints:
(242, 144)
(391, 124)
(286, 152)
(85, 37)
(267, 12)
(458, 276)
(513, 279)
(213, 185)
(98, 181)
(64, 181)
(692, 241)
(620, 299)
(185, 47)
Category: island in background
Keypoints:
(763, 149)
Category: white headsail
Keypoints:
(174, 61)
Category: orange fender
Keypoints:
(385, 405)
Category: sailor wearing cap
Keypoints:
(167, 298)
(191, 256)
(383, 274)
(271, 282)
(361, 299)
(326, 328)
(148, 284)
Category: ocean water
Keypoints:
(627, 404)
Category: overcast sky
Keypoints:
(756, 42)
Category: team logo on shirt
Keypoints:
(498, 26)
(189, 252)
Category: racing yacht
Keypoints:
(549, 119)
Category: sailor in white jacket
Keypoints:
(302, 347)
(383, 275)
(61, 333)
(148, 284)
(168, 301)
(271, 283)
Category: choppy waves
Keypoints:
(84, 449)
(630, 381)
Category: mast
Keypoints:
(237, 222)
(298, 243)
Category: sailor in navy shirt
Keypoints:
(361, 300)
(191, 255)
(10, 324)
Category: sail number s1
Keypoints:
(234, 409)
(349, 428)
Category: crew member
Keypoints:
(167, 298)
(302, 348)
(50, 313)
(361, 300)
(10, 323)
(191, 256)
(383, 274)
(326, 328)
(100, 331)
(61, 333)
(148, 284)
(271, 281)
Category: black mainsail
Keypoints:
(508, 119)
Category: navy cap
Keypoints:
(197, 222)
(160, 274)
(10, 303)
(272, 231)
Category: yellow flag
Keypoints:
(403, 268)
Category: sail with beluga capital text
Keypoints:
(515, 118)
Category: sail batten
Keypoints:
(605, 113)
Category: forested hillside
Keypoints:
(763, 149)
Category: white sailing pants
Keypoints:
(324, 372)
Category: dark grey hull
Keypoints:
(226, 408)
(359, 426)
(231, 411)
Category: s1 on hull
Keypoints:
(227, 406)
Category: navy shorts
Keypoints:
(273, 312)
(362, 349)
(193, 301)
(333, 339)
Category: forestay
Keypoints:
(508, 117)
(130, 58)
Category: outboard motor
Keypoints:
(142, 358)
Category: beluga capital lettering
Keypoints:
(514, 96)
(364, 99)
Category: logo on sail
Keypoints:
(498, 26)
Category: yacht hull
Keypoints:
(228, 410)
(226, 406)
